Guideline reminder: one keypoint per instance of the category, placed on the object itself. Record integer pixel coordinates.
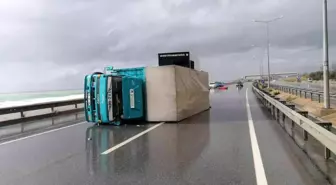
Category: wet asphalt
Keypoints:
(213, 147)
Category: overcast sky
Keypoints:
(52, 44)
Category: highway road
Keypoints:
(235, 142)
(308, 85)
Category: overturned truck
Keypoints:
(168, 93)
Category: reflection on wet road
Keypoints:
(213, 147)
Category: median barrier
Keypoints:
(35, 111)
(314, 137)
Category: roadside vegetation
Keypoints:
(271, 91)
(316, 76)
(290, 98)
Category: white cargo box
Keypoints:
(175, 93)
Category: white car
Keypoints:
(212, 85)
(310, 80)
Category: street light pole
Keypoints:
(268, 44)
(268, 57)
(325, 56)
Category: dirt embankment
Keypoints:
(312, 107)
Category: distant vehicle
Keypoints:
(215, 85)
(223, 87)
(310, 80)
(239, 84)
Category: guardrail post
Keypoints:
(311, 96)
(274, 111)
(268, 104)
(305, 94)
(76, 105)
(300, 93)
(22, 115)
(305, 133)
(277, 115)
(277, 112)
(272, 107)
(52, 109)
(296, 92)
(291, 106)
(327, 126)
(319, 98)
(283, 115)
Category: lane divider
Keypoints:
(258, 164)
(131, 139)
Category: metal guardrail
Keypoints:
(24, 113)
(320, 131)
(302, 92)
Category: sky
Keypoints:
(52, 44)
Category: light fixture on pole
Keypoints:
(268, 44)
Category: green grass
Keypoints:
(272, 91)
(294, 79)
(290, 98)
(290, 79)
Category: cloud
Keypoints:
(55, 43)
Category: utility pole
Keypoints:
(325, 56)
(268, 44)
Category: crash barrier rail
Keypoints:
(24, 113)
(302, 92)
(319, 130)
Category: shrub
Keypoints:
(290, 98)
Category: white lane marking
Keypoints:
(34, 135)
(131, 139)
(258, 164)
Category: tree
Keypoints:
(318, 75)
